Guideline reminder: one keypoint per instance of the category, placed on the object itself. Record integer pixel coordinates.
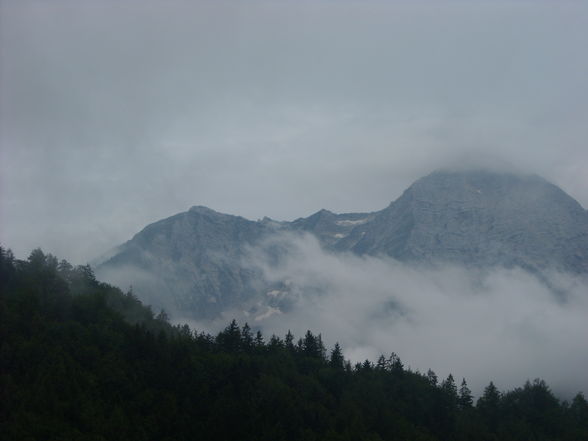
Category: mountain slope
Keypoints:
(192, 257)
(480, 219)
(197, 263)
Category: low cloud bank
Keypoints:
(503, 325)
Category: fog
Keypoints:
(117, 114)
(501, 325)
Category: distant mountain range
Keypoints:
(194, 263)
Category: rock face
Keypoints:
(331, 228)
(193, 263)
(479, 219)
(192, 258)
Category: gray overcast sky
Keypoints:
(117, 114)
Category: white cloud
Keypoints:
(500, 325)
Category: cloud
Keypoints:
(503, 325)
(113, 115)
(117, 114)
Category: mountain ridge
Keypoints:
(474, 218)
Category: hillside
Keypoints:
(80, 360)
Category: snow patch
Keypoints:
(348, 223)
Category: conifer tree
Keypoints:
(579, 411)
(162, 316)
(310, 345)
(258, 341)
(230, 338)
(289, 341)
(275, 342)
(465, 400)
(382, 364)
(395, 363)
(321, 349)
(488, 406)
(246, 337)
(337, 359)
(448, 385)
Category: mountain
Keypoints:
(196, 263)
(479, 218)
(330, 228)
(192, 257)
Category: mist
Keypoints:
(501, 325)
(117, 114)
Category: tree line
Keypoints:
(82, 360)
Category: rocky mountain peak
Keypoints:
(480, 218)
(477, 218)
(201, 209)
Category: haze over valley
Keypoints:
(482, 268)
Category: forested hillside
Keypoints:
(81, 360)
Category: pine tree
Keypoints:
(465, 399)
(337, 359)
(275, 342)
(382, 364)
(488, 406)
(579, 411)
(36, 259)
(432, 377)
(321, 349)
(230, 338)
(7, 270)
(367, 365)
(448, 385)
(65, 270)
(162, 316)
(246, 337)
(258, 341)
(310, 345)
(289, 341)
(395, 363)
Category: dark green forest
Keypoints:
(82, 360)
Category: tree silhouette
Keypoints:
(337, 361)
(465, 399)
